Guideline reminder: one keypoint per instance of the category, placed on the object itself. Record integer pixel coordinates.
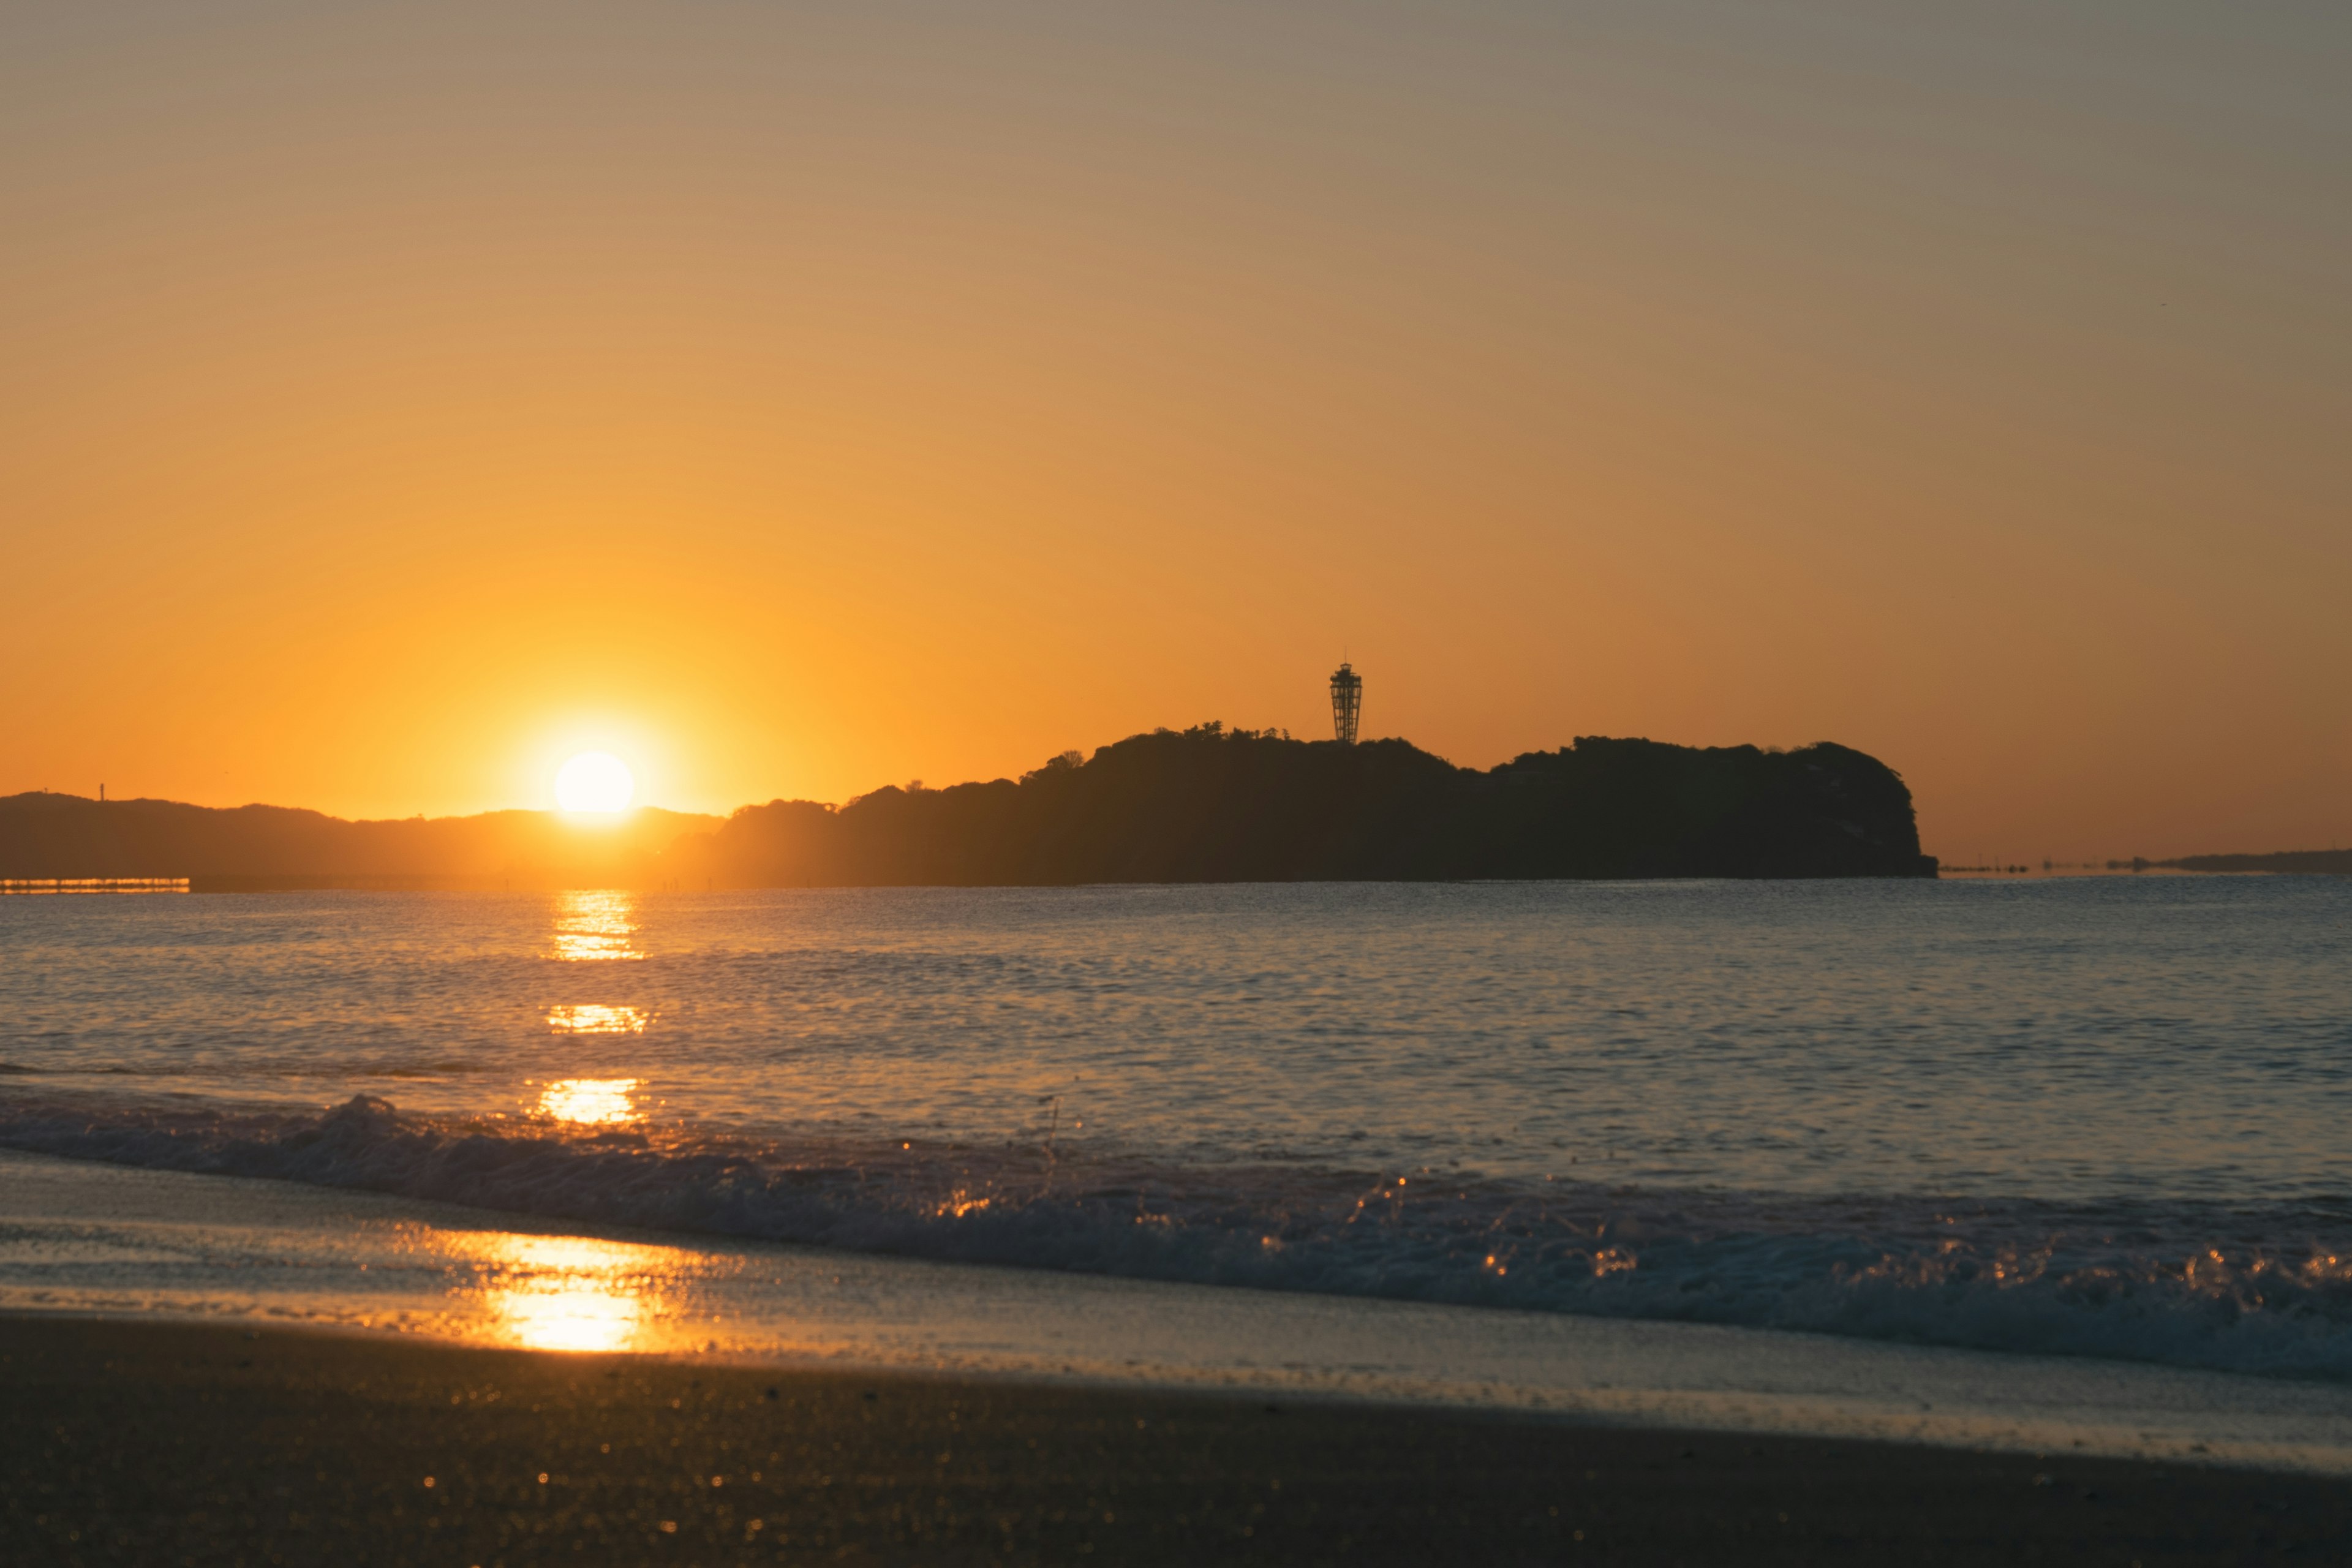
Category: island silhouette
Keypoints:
(1204, 805)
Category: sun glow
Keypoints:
(596, 782)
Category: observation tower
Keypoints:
(1347, 703)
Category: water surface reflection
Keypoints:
(591, 926)
(591, 1101)
(596, 925)
(596, 1018)
(575, 1293)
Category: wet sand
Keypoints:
(145, 1442)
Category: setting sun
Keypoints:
(594, 782)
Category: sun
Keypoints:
(595, 782)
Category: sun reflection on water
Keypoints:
(591, 1101)
(595, 925)
(574, 1293)
(569, 1315)
(596, 1018)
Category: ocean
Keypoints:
(2098, 1117)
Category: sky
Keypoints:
(791, 399)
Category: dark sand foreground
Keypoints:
(149, 1443)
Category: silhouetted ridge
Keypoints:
(44, 835)
(1209, 805)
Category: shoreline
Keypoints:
(137, 1442)
(126, 1243)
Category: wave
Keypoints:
(2264, 1290)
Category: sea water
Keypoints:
(2097, 1117)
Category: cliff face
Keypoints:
(1207, 806)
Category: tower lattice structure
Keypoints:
(1347, 703)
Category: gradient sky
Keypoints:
(797, 398)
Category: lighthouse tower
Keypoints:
(1347, 703)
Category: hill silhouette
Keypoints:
(1209, 805)
(1204, 805)
(48, 835)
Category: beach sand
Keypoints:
(204, 1370)
(150, 1442)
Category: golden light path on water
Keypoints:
(597, 1018)
(596, 925)
(592, 926)
(578, 1293)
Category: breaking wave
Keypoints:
(2263, 1290)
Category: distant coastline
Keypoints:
(256, 848)
(1204, 805)
(2290, 862)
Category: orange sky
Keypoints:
(394, 399)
